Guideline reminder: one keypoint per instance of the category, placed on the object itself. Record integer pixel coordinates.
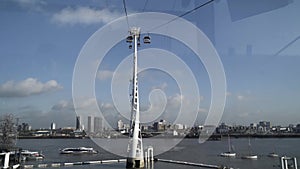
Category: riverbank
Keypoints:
(281, 135)
(212, 137)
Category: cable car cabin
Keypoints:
(147, 40)
(129, 39)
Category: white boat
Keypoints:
(273, 155)
(250, 155)
(78, 150)
(32, 155)
(229, 153)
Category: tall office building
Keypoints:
(52, 127)
(97, 124)
(120, 125)
(78, 123)
(89, 129)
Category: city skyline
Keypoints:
(97, 125)
(41, 41)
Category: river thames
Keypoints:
(187, 150)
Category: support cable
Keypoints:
(125, 10)
(188, 12)
(145, 5)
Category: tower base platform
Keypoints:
(135, 163)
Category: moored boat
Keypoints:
(250, 155)
(273, 155)
(229, 153)
(32, 155)
(78, 150)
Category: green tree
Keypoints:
(7, 131)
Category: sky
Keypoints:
(257, 43)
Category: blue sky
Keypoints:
(41, 40)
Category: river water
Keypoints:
(187, 150)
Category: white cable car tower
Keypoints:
(135, 157)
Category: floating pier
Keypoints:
(148, 161)
(193, 164)
(73, 163)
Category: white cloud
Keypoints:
(175, 100)
(228, 93)
(84, 104)
(201, 98)
(107, 106)
(240, 97)
(86, 107)
(243, 114)
(63, 105)
(27, 87)
(162, 86)
(35, 5)
(202, 110)
(105, 74)
(84, 15)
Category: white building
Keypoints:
(179, 127)
(120, 125)
(53, 126)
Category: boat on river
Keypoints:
(229, 153)
(250, 155)
(32, 155)
(273, 155)
(78, 150)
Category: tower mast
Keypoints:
(135, 157)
